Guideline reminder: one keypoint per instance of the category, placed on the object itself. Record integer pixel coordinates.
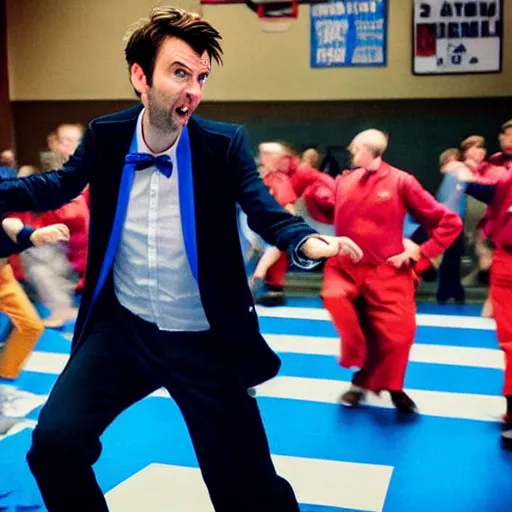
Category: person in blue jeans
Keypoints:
(451, 194)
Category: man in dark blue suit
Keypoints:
(166, 300)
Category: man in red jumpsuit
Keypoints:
(289, 179)
(314, 186)
(497, 227)
(281, 188)
(504, 157)
(372, 304)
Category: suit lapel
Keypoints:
(187, 201)
(113, 190)
(202, 158)
(123, 197)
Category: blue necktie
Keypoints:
(144, 160)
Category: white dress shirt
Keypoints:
(152, 275)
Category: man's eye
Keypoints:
(180, 73)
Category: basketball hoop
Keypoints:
(275, 15)
(275, 25)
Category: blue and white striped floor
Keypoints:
(447, 459)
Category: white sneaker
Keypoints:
(6, 423)
(15, 403)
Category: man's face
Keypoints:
(285, 164)
(361, 154)
(269, 158)
(7, 158)
(68, 138)
(311, 157)
(177, 87)
(53, 142)
(506, 141)
(475, 154)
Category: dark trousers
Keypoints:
(450, 285)
(123, 360)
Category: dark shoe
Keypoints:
(353, 397)
(506, 436)
(403, 403)
(271, 299)
(430, 275)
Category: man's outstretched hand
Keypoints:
(50, 235)
(316, 248)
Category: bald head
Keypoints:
(272, 147)
(7, 158)
(68, 138)
(367, 148)
(375, 140)
(270, 153)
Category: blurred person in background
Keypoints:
(473, 157)
(57, 272)
(504, 157)
(269, 288)
(451, 194)
(27, 327)
(497, 227)
(312, 158)
(304, 191)
(8, 164)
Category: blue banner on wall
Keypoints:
(349, 33)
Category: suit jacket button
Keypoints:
(251, 309)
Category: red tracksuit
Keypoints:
(372, 303)
(75, 215)
(316, 187)
(501, 160)
(281, 188)
(497, 227)
(489, 173)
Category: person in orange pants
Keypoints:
(28, 327)
(372, 304)
(497, 227)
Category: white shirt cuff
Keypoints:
(298, 258)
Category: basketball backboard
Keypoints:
(274, 14)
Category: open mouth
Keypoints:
(182, 111)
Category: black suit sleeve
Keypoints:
(483, 193)
(8, 247)
(264, 214)
(50, 190)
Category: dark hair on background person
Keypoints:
(506, 126)
(145, 38)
